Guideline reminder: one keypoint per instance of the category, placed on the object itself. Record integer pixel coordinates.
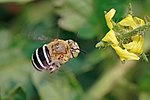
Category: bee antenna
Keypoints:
(76, 36)
(82, 51)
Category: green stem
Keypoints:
(108, 81)
(135, 31)
(130, 9)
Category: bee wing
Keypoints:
(40, 36)
(40, 33)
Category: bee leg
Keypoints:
(53, 67)
(50, 69)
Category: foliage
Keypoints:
(96, 75)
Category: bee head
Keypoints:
(74, 48)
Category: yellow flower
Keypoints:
(136, 46)
(109, 17)
(132, 22)
(138, 21)
(110, 37)
(131, 50)
(128, 21)
(124, 54)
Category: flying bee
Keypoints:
(52, 55)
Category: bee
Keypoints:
(52, 55)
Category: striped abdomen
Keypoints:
(41, 58)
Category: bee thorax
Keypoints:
(59, 50)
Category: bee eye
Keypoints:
(75, 54)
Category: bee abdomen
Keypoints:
(41, 58)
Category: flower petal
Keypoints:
(136, 46)
(128, 21)
(124, 54)
(100, 44)
(110, 37)
(109, 16)
(138, 21)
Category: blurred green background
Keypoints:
(96, 75)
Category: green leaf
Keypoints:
(16, 94)
(14, 71)
(74, 17)
(16, 74)
(85, 17)
(144, 81)
(56, 86)
(144, 96)
(6, 38)
(38, 21)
